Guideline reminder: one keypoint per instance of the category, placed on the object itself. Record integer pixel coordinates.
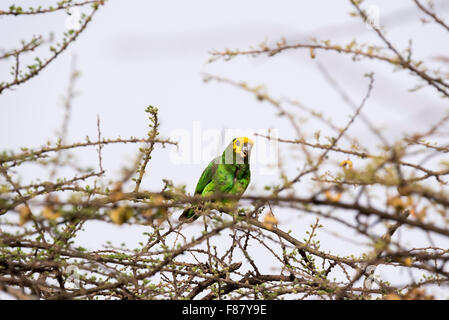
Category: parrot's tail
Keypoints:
(188, 215)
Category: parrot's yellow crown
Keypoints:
(242, 146)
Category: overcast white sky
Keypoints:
(136, 53)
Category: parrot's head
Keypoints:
(242, 146)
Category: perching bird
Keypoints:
(228, 173)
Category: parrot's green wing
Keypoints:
(206, 176)
(205, 179)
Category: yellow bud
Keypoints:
(24, 214)
(158, 200)
(269, 220)
(117, 196)
(312, 53)
(334, 197)
(121, 214)
(408, 261)
(397, 203)
(50, 214)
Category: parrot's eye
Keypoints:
(237, 143)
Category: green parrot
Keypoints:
(228, 173)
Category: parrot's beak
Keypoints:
(245, 150)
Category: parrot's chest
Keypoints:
(232, 180)
(237, 186)
(240, 180)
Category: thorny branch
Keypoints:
(370, 196)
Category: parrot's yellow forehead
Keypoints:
(239, 142)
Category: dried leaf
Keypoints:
(399, 203)
(333, 196)
(270, 220)
(121, 214)
(312, 53)
(117, 196)
(419, 215)
(408, 261)
(50, 214)
(24, 214)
